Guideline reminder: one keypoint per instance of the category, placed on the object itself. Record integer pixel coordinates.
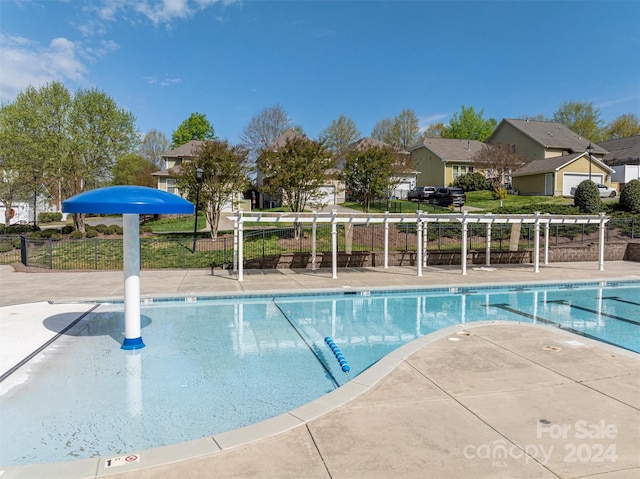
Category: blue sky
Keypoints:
(164, 60)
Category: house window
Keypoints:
(171, 186)
(459, 170)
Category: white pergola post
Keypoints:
(235, 245)
(334, 245)
(386, 240)
(419, 242)
(536, 245)
(601, 245)
(487, 259)
(240, 247)
(131, 253)
(313, 240)
(463, 258)
(547, 226)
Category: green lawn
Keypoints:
(484, 200)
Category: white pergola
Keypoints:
(421, 220)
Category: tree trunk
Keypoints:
(78, 222)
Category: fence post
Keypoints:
(24, 250)
(263, 243)
(50, 254)
(95, 253)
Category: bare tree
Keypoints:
(340, 134)
(401, 131)
(263, 130)
(497, 161)
(434, 130)
(154, 145)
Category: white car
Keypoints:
(605, 191)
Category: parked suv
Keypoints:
(421, 193)
(449, 196)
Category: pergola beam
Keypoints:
(421, 220)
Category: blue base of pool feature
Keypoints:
(132, 343)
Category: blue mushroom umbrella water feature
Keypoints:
(130, 202)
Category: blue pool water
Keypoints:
(212, 365)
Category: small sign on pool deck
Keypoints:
(122, 460)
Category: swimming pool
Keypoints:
(212, 365)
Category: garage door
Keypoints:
(327, 195)
(573, 179)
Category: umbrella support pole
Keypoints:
(131, 254)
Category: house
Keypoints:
(441, 160)
(557, 158)
(172, 161)
(404, 182)
(624, 157)
(330, 193)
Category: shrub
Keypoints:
(146, 229)
(15, 242)
(100, 228)
(68, 229)
(587, 197)
(472, 182)
(55, 236)
(75, 235)
(499, 194)
(630, 197)
(19, 229)
(91, 233)
(5, 246)
(114, 230)
(49, 216)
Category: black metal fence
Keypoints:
(158, 252)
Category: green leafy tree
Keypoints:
(225, 171)
(582, 118)
(196, 127)
(153, 146)
(34, 141)
(622, 127)
(295, 171)
(370, 172)
(469, 125)
(630, 197)
(133, 169)
(340, 134)
(587, 197)
(100, 132)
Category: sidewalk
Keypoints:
(499, 400)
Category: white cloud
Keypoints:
(166, 80)
(425, 121)
(26, 63)
(160, 12)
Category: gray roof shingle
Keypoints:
(551, 135)
(549, 165)
(622, 151)
(450, 149)
(188, 150)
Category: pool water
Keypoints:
(212, 365)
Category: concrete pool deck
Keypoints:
(493, 400)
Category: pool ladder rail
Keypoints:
(338, 354)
